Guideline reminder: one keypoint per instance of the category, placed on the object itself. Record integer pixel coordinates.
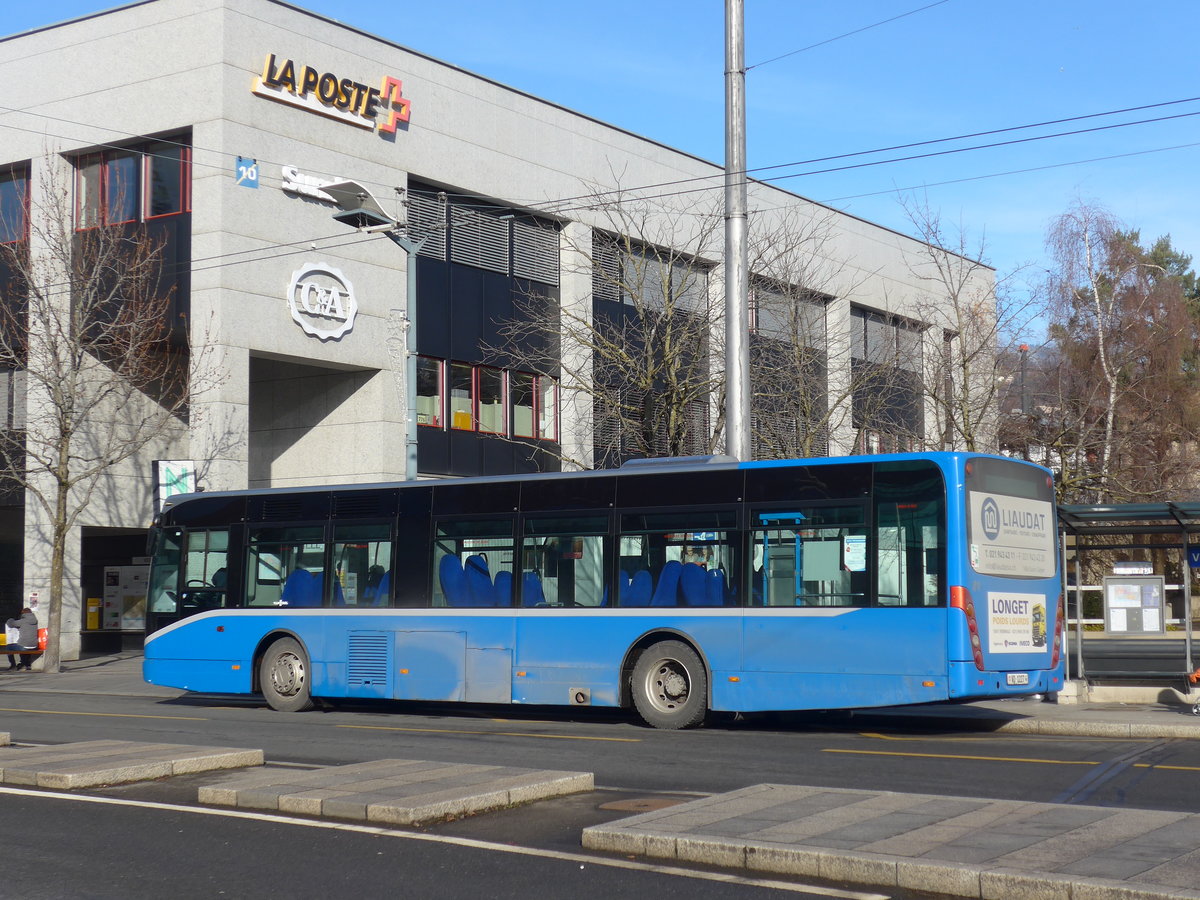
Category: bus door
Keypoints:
(910, 561)
(465, 651)
(810, 580)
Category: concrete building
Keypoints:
(216, 124)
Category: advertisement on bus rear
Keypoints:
(1016, 622)
(1012, 536)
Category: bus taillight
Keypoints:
(960, 598)
(1058, 631)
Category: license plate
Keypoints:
(1018, 678)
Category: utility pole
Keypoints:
(737, 282)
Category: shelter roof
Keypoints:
(1130, 518)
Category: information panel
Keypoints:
(1134, 604)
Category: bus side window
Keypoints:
(910, 522)
(473, 563)
(678, 559)
(909, 554)
(815, 556)
(564, 560)
(362, 560)
(286, 566)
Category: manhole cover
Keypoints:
(641, 804)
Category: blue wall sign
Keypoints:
(246, 172)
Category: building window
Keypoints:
(888, 393)
(132, 184)
(487, 399)
(491, 400)
(166, 180)
(462, 396)
(14, 205)
(523, 404)
(429, 392)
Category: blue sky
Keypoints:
(655, 67)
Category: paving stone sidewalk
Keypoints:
(960, 846)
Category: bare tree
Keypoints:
(87, 322)
(795, 407)
(976, 324)
(636, 355)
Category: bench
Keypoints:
(1142, 658)
(41, 647)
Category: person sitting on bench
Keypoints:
(27, 639)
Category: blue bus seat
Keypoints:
(623, 580)
(641, 586)
(693, 585)
(716, 587)
(479, 581)
(302, 588)
(454, 581)
(666, 592)
(503, 588)
(531, 590)
(381, 592)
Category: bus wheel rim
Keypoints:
(287, 674)
(668, 685)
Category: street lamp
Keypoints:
(360, 210)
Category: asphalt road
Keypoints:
(215, 855)
(830, 750)
(67, 848)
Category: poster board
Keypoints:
(1133, 604)
(124, 603)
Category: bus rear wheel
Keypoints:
(669, 686)
(283, 676)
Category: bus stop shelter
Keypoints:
(1129, 648)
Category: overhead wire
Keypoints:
(266, 252)
(872, 163)
(562, 205)
(551, 206)
(839, 37)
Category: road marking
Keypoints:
(581, 858)
(993, 738)
(60, 712)
(1057, 762)
(524, 734)
(1163, 766)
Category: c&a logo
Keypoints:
(322, 301)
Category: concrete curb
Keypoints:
(394, 791)
(813, 833)
(872, 870)
(95, 763)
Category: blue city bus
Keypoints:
(673, 587)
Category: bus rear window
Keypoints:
(1011, 524)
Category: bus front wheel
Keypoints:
(283, 676)
(669, 686)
